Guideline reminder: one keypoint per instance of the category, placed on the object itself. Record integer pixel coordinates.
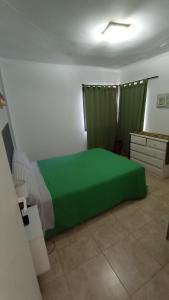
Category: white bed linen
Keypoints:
(45, 201)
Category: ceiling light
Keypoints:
(118, 26)
(116, 32)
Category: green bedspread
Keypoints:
(90, 182)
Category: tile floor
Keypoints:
(119, 255)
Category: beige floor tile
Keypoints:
(56, 290)
(161, 192)
(125, 209)
(132, 236)
(166, 268)
(162, 207)
(156, 227)
(107, 235)
(55, 271)
(164, 198)
(64, 239)
(106, 218)
(150, 204)
(78, 233)
(50, 245)
(162, 188)
(132, 264)
(158, 189)
(95, 280)
(162, 216)
(136, 220)
(153, 183)
(157, 247)
(151, 179)
(53, 257)
(78, 253)
(61, 240)
(156, 289)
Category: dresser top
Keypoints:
(152, 135)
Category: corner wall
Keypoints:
(46, 106)
(156, 119)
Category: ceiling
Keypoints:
(58, 31)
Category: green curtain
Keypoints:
(100, 107)
(131, 111)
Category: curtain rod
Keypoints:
(99, 84)
(153, 77)
(148, 78)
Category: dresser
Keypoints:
(151, 151)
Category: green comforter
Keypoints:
(90, 182)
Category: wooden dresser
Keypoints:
(152, 151)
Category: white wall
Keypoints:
(156, 119)
(17, 276)
(46, 106)
(3, 117)
(45, 101)
(3, 111)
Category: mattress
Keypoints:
(88, 183)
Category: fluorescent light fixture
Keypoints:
(118, 26)
(116, 32)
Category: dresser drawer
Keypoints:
(156, 144)
(138, 139)
(156, 153)
(151, 169)
(147, 159)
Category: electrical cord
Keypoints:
(53, 245)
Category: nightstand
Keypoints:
(36, 241)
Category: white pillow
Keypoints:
(22, 170)
(21, 157)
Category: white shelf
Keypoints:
(34, 229)
(36, 241)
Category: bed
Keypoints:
(88, 183)
(71, 189)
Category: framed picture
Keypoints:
(161, 101)
(167, 100)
